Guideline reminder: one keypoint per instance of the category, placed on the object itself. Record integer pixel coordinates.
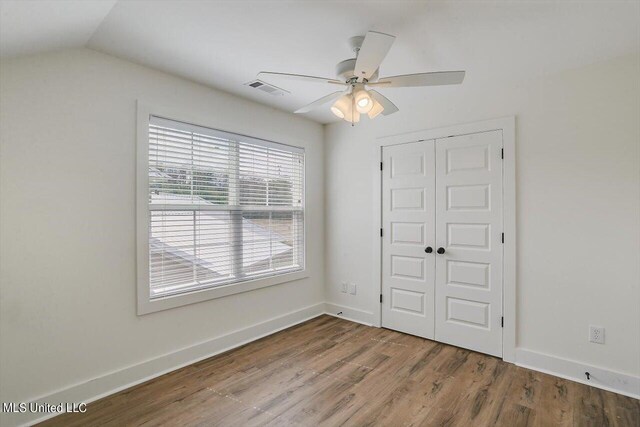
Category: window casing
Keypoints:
(223, 209)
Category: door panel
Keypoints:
(463, 273)
(408, 233)
(468, 197)
(407, 199)
(468, 236)
(468, 284)
(408, 215)
(404, 300)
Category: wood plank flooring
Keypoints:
(332, 372)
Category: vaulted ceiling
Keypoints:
(224, 44)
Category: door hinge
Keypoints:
(381, 232)
(502, 237)
(502, 153)
(502, 321)
(380, 298)
(380, 165)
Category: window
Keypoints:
(223, 209)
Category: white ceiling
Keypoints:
(226, 43)
(28, 27)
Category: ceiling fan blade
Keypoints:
(318, 102)
(421, 79)
(300, 77)
(389, 107)
(373, 50)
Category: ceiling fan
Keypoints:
(358, 75)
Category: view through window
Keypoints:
(223, 208)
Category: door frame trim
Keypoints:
(508, 127)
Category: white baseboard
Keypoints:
(121, 379)
(575, 371)
(348, 313)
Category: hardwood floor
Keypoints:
(332, 372)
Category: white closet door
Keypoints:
(469, 229)
(408, 215)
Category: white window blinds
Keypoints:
(223, 208)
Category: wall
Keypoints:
(578, 204)
(68, 272)
(67, 180)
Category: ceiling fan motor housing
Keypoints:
(345, 70)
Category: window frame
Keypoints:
(146, 304)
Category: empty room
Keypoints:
(319, 213)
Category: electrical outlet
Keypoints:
(352, 288)
(344, 287)
(596, 334)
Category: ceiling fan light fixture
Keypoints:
(364, 103)
(342, 107)
(336, 111)
(376, 109)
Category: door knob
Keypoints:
(428, 249)
(441, 251)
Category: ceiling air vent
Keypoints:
(266, 87)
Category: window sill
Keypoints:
(146, 305)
